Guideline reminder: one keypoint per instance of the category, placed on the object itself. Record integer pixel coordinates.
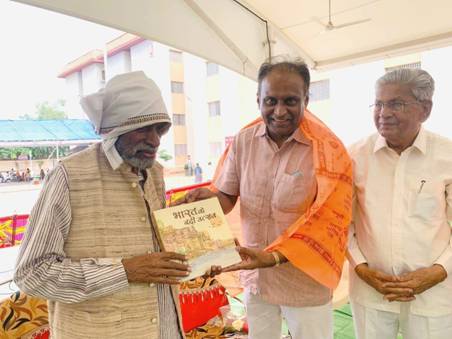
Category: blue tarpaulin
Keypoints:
(69, 131)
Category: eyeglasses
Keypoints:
(393, 106)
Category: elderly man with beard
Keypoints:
(90, 246)
(400, 252)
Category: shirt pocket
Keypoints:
(427, 202)
(293, 193)
(252, 197)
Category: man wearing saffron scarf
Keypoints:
(293, 177)
(90, 247)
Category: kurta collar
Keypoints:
(297, 135)
(420, 142)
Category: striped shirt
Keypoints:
(43, 270)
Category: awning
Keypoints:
(31, 133)
(242, 34)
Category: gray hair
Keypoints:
(421, 83)
(297, 66)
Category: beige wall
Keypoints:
(178, 103)
(178, 107)
(180, 160)
(180, 134)
(177, 71)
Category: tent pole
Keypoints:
(30, 156)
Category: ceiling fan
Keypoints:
(330, 26)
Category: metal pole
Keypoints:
(30, 156)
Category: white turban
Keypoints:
(128, 102)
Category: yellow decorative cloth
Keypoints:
(21, 315)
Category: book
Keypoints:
(200, 231)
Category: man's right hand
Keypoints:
(377, 280)
(158, 267)
(194, 195)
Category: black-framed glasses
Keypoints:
(393, 106)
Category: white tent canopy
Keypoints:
(241, 34)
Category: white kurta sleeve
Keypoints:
(42, 268)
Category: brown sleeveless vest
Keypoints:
(110, 220)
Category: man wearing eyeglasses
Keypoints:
(400, 249)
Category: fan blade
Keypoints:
(357, 22)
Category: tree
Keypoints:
(42, 152)
(164, 155)
(44, 111)
(48, 111)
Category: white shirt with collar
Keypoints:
(402, 210)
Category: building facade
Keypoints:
(210, 103)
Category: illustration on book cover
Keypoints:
(201, 232)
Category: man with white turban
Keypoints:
(90, 246)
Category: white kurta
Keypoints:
(402, 207)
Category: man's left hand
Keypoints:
(419, 280)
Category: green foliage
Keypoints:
(164, 155)
(12, 153)
(44, 111)
(5, 153)
(48, 111)
(36, 152)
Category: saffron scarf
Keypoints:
(317, 241)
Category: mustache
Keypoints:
(143, 147)
(388, 121)
(281, 119)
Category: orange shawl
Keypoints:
(317, 241)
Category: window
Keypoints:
(180, 150)
(319, 90)
(177, 87)
(179, 119)
(175, 56)
(214, 109)
(216, 148)
(412, 65)
(212, 68)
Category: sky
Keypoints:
(35, 46)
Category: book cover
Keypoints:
(200, 231)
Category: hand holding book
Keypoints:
(194, 195)
(251, 259)
(198, 230)
(158, 267)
